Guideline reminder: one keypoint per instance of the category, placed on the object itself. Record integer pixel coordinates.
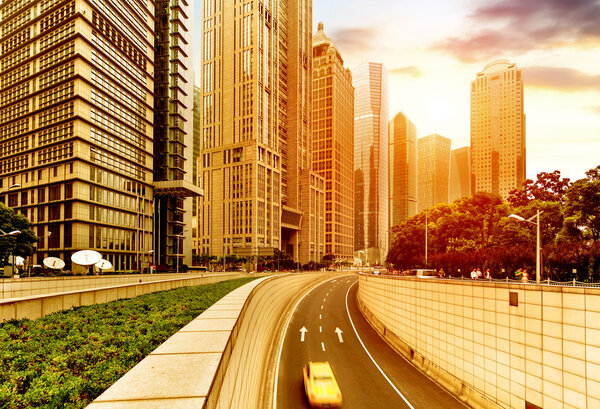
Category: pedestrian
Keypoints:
(487, 274)
(441, 273)
(525, 277)
(478, 272)
(474, 274)
(518, 274)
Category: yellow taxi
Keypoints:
(321, 388)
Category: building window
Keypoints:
(54, 236)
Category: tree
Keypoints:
(582, 208)
(549, 187)
(20, 244)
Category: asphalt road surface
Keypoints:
(326, 326)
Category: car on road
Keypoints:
(322, 391)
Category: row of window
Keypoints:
(13, 7)
(55, 153)
(14, 146)
(117, 164)
(14, 93)
(15, 23)
(116, 181)
(114, 145)
(54, 18)
(57, 55)
(133, 70)
(14, 76)
(116, 20)
(15, 41)
(117, 93)
(56, 36)
(15, 58)
(117, 128)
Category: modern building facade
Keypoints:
(174, 184)
(76, 125)
(497, 129)
(261, 193)
(371, 150)
(403, 169)
(333, 143)
(433, 170)
(460, 173)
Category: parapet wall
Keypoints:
(39, 305)
(493, 344)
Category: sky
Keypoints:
(433, 49)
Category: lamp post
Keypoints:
(16, 185)
(177, 255)
(538, 240)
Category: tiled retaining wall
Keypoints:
(545, 350)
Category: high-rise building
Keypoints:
(403, 169)
(460, 173)
(261, 192)
(333, 143)
(197, 131)
(76, 125)
(497, 129)
(433, 170)
(174, 186)
(371, 145)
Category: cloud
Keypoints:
(516, 26)
(596, 109)
(355, 40)
(563, 79)
(411, 71)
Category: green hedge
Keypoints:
(67, 359)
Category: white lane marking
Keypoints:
(324, 299)
(339, 333)
(323, 347)
(303, 331)
(321, 307)
(319, 316)
(287, 326)
(368, 353)
(320, 329)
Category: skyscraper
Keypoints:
(261, 192)
(76, 125)
(173, 134)
(371, 163)
(460, 173)
(433, 170)
(333, 143)
(403, 169)
(497, 129)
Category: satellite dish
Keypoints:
(103, 264)
(19, 261)
(54, 263)
(86, 257)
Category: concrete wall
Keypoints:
(40, 305)
(26, 287)
(465, 334)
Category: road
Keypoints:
(360, 374)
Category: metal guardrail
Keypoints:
(549, 282)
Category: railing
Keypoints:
(573, 283)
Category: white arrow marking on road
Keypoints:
(339, 333)
(303, 331)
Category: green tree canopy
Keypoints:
(20, 244)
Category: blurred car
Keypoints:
(424, 272)
(322, 391)
(376, 272)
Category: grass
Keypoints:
(67, 359)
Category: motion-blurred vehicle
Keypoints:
(322, 391)
(423, 272)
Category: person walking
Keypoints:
(474, 274)
(525, 277)
(518, 274)
(487, 274)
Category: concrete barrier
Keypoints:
(39, 305)
(26, 287)
(494, 345)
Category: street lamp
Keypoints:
(16, 185)
(177, 255)
(538, 243)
